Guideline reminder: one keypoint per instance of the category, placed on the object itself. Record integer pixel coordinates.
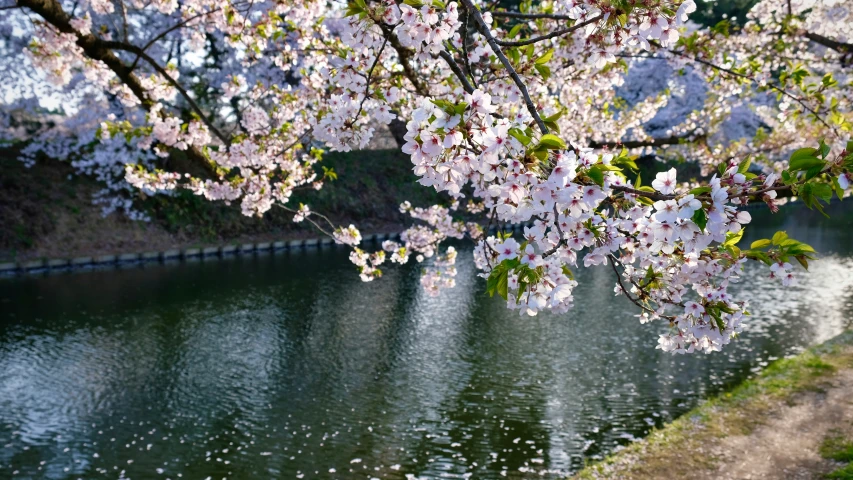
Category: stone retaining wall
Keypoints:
(39, 266)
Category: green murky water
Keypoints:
(288, 366)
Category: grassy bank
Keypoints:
(692, 443)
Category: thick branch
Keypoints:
(405, 55)
(654, 142)
(841, 47)
(52, 12)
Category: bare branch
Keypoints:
(532, 16)
(555, 33)
(654, 142)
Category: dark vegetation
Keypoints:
(47, 211)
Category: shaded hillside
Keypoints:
(46, 211)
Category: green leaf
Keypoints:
(822, 191)
(514, 55)
(552, 126)
(552, 142)
(503, 285)
(779, 237)
(803, 152)
(824, 149)
(554, 117)
(700, 218)
(743, 167)
(514, 32)
(596, 175)
(733, 238)
(700, 190)
(758, 255)
(518, 135)
(545, 58)
(760, 243)
(543, 70)
(805, 163)
(836, 187)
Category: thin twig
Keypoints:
(555, 33)
(369, 75)
(484, 30)
(465, 46)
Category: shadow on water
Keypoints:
(288, 365)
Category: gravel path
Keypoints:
(786, 445)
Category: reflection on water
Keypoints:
(289, 366)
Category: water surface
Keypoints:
(288, 366)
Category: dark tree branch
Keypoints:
(405, 55)
(555, 33)
(532, 16)
(655, 142)
(456, 70)
(369, 76)
(465, 46)
(846, 49)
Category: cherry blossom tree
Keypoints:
(512, 114)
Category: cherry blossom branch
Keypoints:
(94, 48)
(369, 75)
(53, 13)
(562, 240)
(404, 56)
(751, 79)
(162, 71)
(614, 261)
(829, 43)
(622, 286)
(312, 222)
(484, 30)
